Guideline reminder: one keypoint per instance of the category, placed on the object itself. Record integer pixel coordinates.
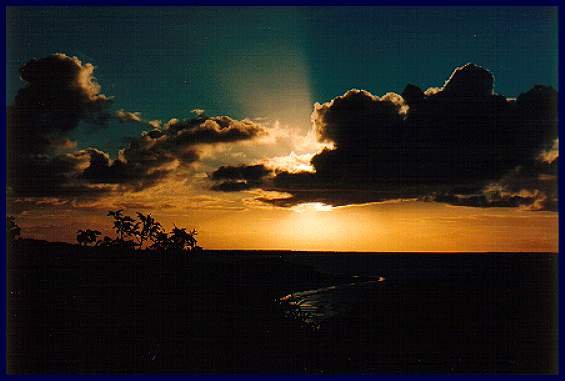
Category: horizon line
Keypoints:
(351, 251)
(393, 251)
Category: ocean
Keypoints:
(463, 313)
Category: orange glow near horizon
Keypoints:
(406, 226)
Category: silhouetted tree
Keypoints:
(118, 225)
(125, 226)
(92, 235)
(149, 229)
(85, 237)
(161, 241)
(81, 237)
(192, 241)
(12, 229)
(183, 240)
(106, 242)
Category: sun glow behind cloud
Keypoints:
(268, 72)
(312, 207)
(272, 83)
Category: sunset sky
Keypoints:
(288, 128)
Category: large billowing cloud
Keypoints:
(59, 94)
(62, 93)
(461, 143)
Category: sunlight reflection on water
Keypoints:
(314, 306)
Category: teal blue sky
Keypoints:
(275, 62)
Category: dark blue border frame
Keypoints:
(3, 220)
(282, 2)
(247, 3)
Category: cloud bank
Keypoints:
(461, 144)
(61, 93)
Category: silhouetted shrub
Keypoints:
(86, 237)
(13, 231)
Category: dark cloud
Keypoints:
(156, 153)
(532, 186)
(50, 175)
(469, 81)
(428, 144)
(238, 178)
(234, 186)
(60, 93)
(242, 172)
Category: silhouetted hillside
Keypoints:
(105, 310)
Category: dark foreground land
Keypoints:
(94, 310)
